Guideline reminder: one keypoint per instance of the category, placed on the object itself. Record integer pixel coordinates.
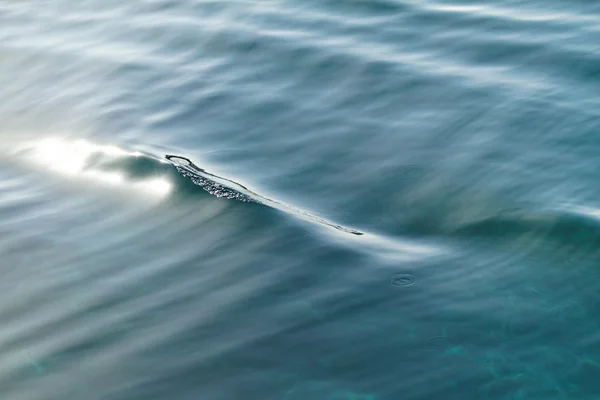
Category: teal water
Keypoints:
(285, 200)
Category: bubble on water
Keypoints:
(400, 280)
(215, 188)
(440, 342)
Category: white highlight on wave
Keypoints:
(72, 158)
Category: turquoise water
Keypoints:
(285, 200)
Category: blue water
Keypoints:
(299, 200)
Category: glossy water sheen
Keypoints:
(419, 214)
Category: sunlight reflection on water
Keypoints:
(75, 159)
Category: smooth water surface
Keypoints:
(299, 200)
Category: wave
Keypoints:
(108, 165)
(223, 187)
(570, 228)
(112, 166)
(148, 179)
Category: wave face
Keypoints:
(299, 199)
(199, 177)
(222, 187)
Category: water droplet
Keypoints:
(399, 280)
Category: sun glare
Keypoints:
(71, 158)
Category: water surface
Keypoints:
(285, 200)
